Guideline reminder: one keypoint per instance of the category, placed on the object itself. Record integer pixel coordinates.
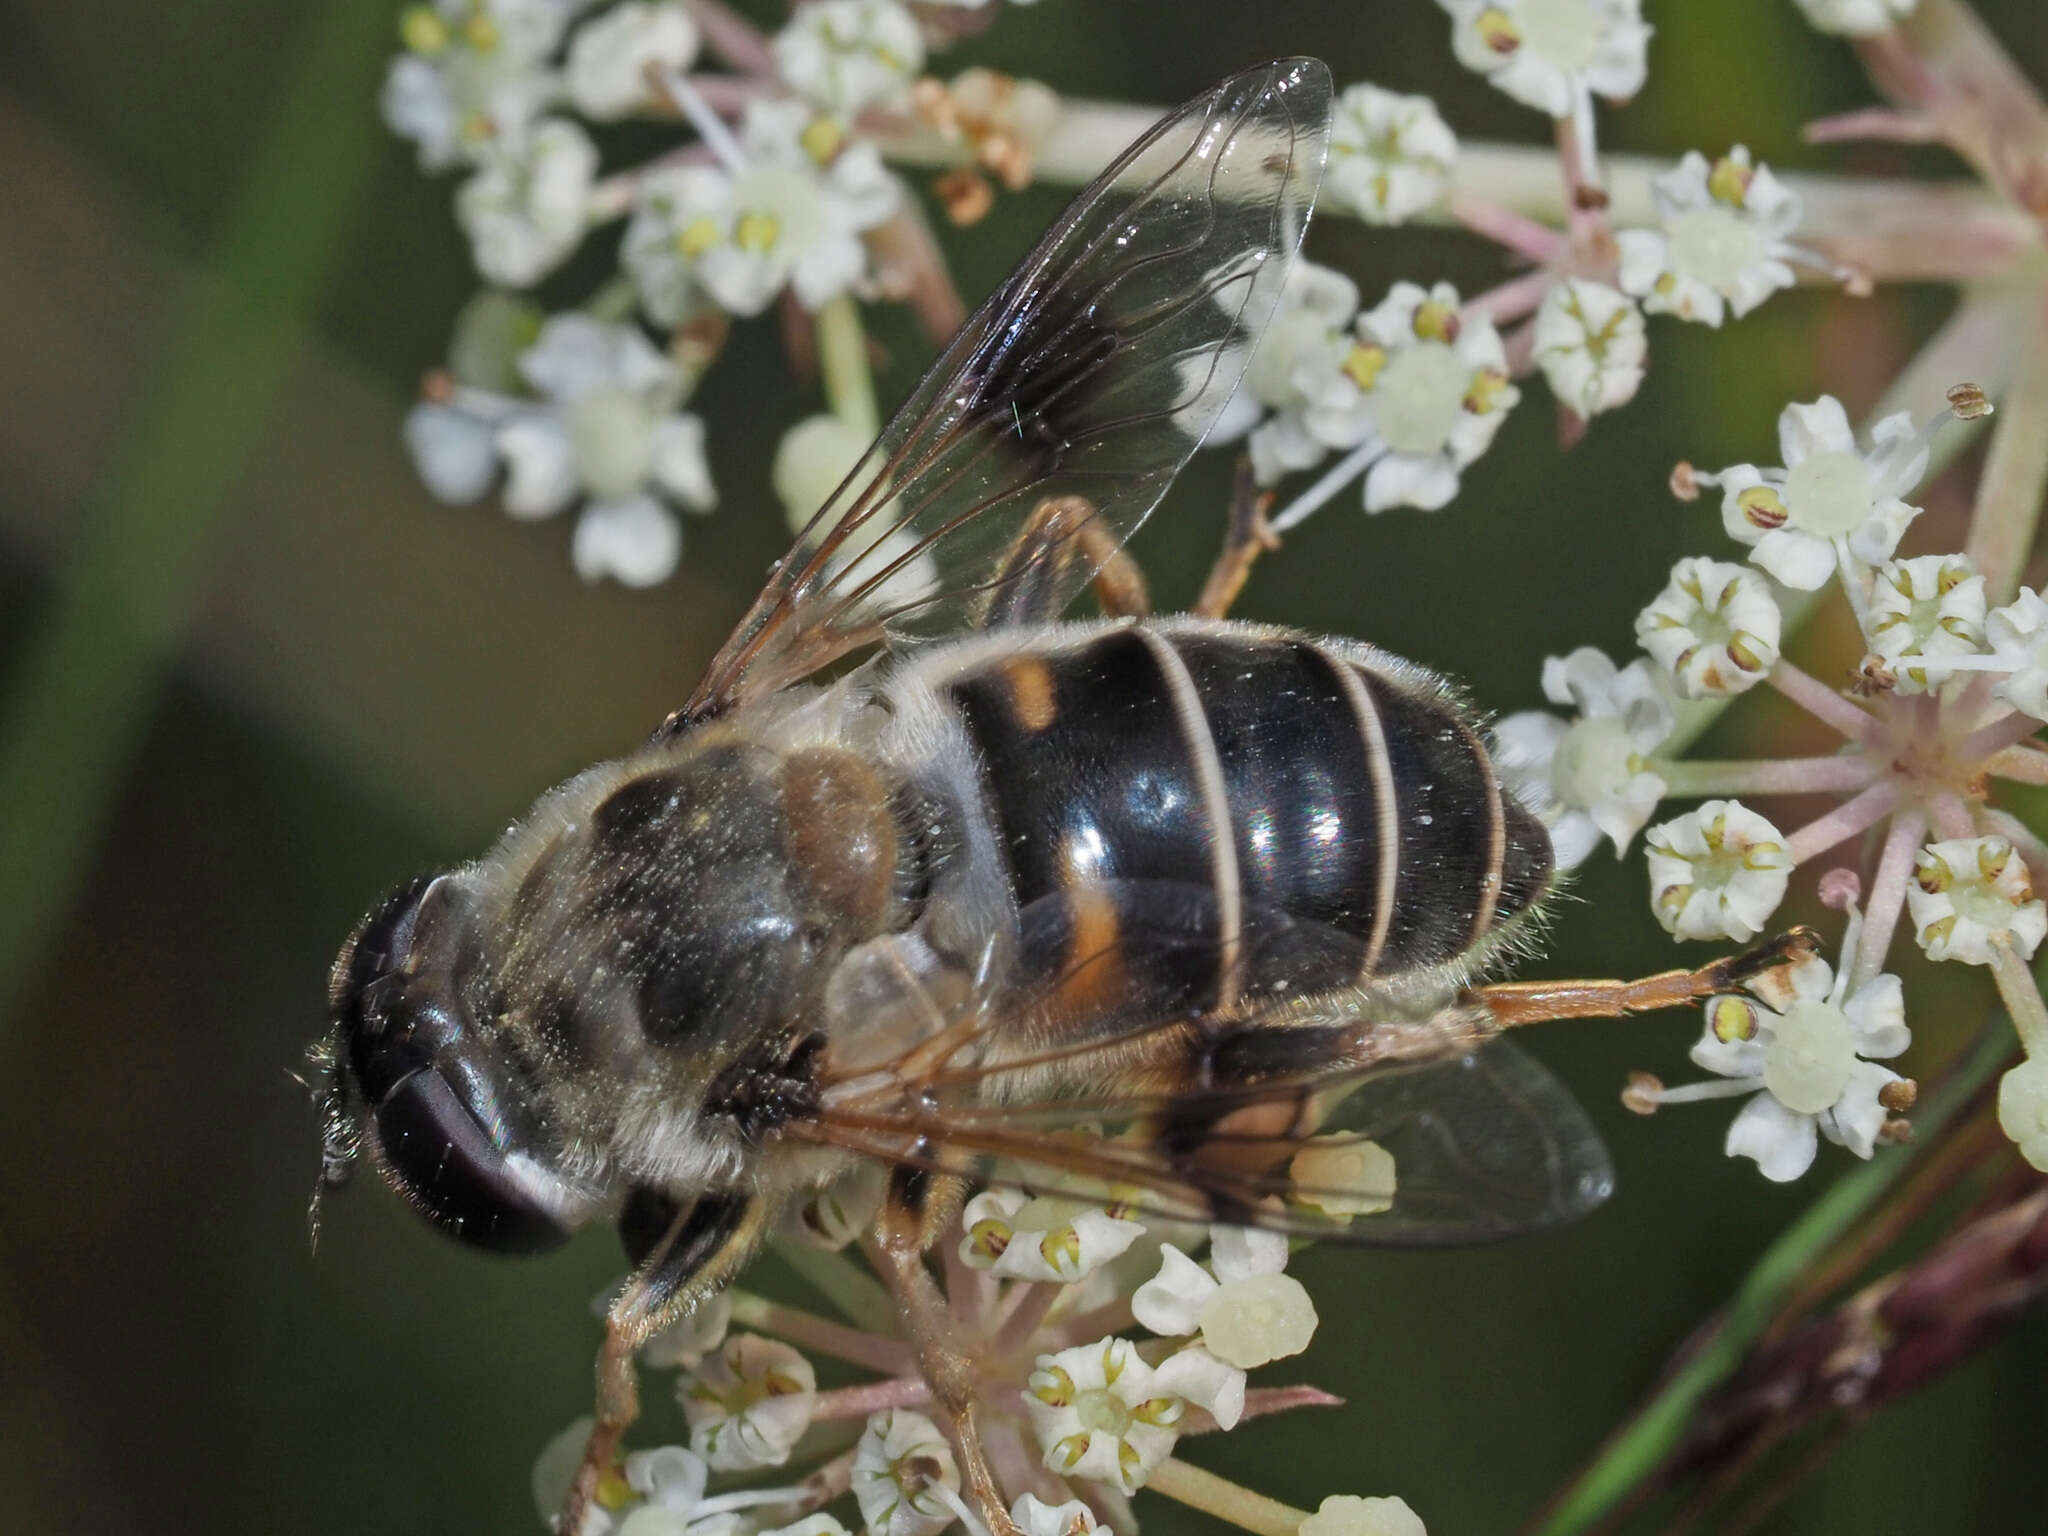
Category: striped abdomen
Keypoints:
(1236, 813)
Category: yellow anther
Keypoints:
(480, 32)
(613, 1491)
(1743, 651)
(1061, 1249)
(698, 236)
(1436, 321)
(822, 139)
(989, 1238)
(757, 232)
(1729, 181)
(1497, 30)
(1993, 854)
(1362, 364)
(422, 30)
(1764, 507)
(1731, 1019)
(1488, 385)
(1932, 875)
(1053, 1387)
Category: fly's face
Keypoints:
(444, 1111)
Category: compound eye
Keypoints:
(438, 1153)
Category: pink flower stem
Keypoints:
(1887, 895)
(2021, 995)
(1025, 1315)
(2007, 515)
(1769, 776)
(2008, 730)
(733, 38)
(1952, 817)
(1218, 1496)
(1518, 232)
(1844, 821)
(1110, 1317)
(871, 1397)
(889, 1356)
(1514, 298)
(1826, 705)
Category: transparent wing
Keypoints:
(1057, 418)
(1110, 1078)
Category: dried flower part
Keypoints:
(1718, 872)
(1548, 54)
(1391, 156)
(1970, 892)
(612, 53)
(1588, 778)
(748, 1404)
(904, 1477)
(1831, 500)
(2023, 1110)
(1856, 18)
(843, 55)
(1714, 629)
(1590, 344)
(1004, 120)
(1723, 241)
(1345, 1514)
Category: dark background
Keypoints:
(364, 684)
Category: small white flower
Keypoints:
(1717, 872)
(455, 453)
(1856, 18)
(1043, 1237)
(526, 208)
(1723, 241)
(611, 53)
(1343, 1176)
(1831, 502)
(1390, 155)
(844, 55)
(1812, 1065)
(606, 431)
(1586, 778)
(668, 1476)
(1590, 343)
(1345, 1514)
(835, 1214)
(1925, 607)
(1714, 629)
(1968, 891)
(812, 459)
(1035, 1517)
(792, 217)
(555, 1468)
(1429, 384)
(2023, 1112)
(1292, 370)
(1100, 1412)
(1549, 54)
(474, 75)
(1248, 1312)
(692, 1336)
(2018, 637)
(900, 1460)
(749, 1403)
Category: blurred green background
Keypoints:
(346, 683)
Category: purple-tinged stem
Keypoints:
(1887, 895)
(2008, 730)
(871, 1397)
(1873, 123)
(1516, 297)
(1024, 1317)
(1519, 233)
(733, 38)
(1110, 1317)
(2021, 996)
(1768, 776)
(889, 1356)
(1952, 818)
(2008, 511)
(1844, 821)
(1826, 705)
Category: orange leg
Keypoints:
(1246, 538)
(1533, 1002)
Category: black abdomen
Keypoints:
(1254, 813)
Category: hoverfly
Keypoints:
(1136, 903)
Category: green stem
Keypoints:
(2008, 510)
(843, 359)
(1219, 1496)
(83, 694)
(1643, 1444)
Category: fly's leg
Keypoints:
(1755, 970)
(1244, 540)
(904, 1233)
(698, 1249)
(1061, 532)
